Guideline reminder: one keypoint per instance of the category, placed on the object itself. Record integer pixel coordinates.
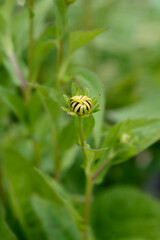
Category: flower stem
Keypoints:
(88, 195)
(89, 184)
(82, 138)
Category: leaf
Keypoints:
(56, 220)
(127, 139)
(86, 78)
(19, 24)
(68, 159)
(88, 125)
(51, 190)
(11, 72)
(51, 99)
(34, 108)
(15, 103)
(78, 39)
(60, 12)
(67, 136)
(97, 153)
(19, 181)
(127, 214)
(43, 46)
(75, 89)
(3, 26)
(5, 231)
(29, 182)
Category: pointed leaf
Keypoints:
(127, 139)
(19, 181)
(78, 39)
(97, 152)
(27, 183)
(76, 91)
(56, 220)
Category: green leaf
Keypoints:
(48, 188)
(51, 99)
(19, 181)
(3, 26)
(97, 153)
(34, 108)
(68, 158)
(86, 78)
(19, 25)
(5, 231)
(43, 47)
(29, 182)
(15, 103)
(75, 89)
(88, 125)
(127, 214)
(11, 72)
(56, 220)
(78, 39)
(127, 139)
(67, 136)
(60, 12)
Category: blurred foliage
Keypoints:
(130, 215)
(111, 47)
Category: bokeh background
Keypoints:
(126, 59)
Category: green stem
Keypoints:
(30, 51)
(30, 48)
(88, 195)
(82, 138)
(60, 52)
(89, 184)
(57, 158)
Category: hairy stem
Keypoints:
(102, 167)
(89, 184)
(17, 69)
